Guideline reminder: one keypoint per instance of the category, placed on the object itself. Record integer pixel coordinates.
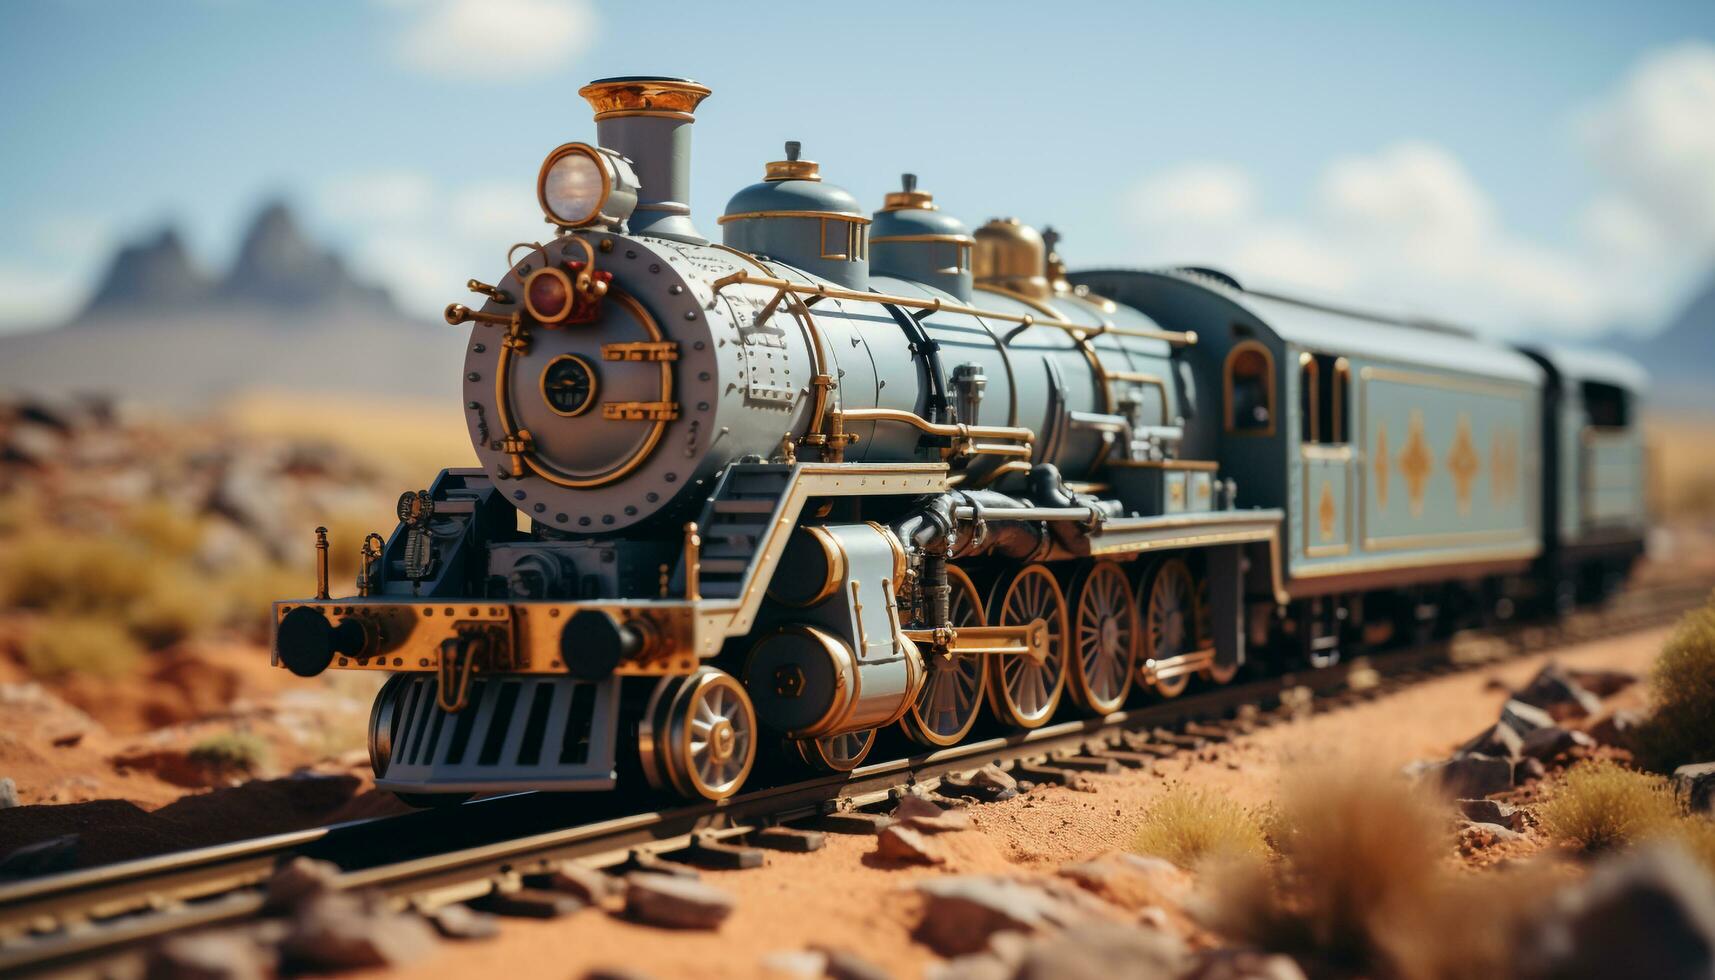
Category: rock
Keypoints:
(336, 931)
(1100, 951)
(615, 973)
(999, 961)
(298, 881)
(44, 857)
(1492, 811)
(1528, 769)
(921, 814)
(1471, 776)
(843, 964)
(678, 903)
(8, 793)
(1615, 728)
(1498, 740)
(1603, 683)
(458, 921)
(1130, 881)
(897, 842)
(1695, 785)
(1153, 916)
(1524, 718)
(223, 955)
(1080, 783)
(1243, 964)
(585, 884)
(991, 784)
(962, 912)
(805, 963)
(1646, 913)
(1552, 742)
(1479, 836)
(1554, 691)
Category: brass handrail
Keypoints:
(953, 430)
(1176, 337)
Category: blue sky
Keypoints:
(1521, 166)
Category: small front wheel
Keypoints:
(698, 736)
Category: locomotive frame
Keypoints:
(916, 483)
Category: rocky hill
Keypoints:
(1681, 358)
(286, 315)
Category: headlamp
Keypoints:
(582, 185)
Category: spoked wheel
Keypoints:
(1105, 628)
(1025, 690)
(1218, 672)
(1169, 621)
(952, 692)
(698, 736)
(837, 753)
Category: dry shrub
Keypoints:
(230, 752)
(1697, 835)
(164, 530)
(1682, 695)
(246, 596)
(1598, 805)
(1188, 825)
(74, 574)
(1363, 885)
(175, 608)
(62, 645)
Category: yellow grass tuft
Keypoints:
(63, 645)
(230, 752)
(1598, 805)
(1188, 825)
(1681, 726)
(1697, 835)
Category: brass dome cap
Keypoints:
(1011, 255)
(793, 168)
(908, 197)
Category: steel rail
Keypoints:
(58, 920)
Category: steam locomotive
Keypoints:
(841, 477)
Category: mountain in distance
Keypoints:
(1680, 358)
(287, 315)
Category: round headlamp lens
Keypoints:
(573, 187)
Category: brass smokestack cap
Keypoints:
(908, 197)
(642, 95)
(793, 168)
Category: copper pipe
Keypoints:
(693, 562)
(321, 563)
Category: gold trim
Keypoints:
(1400, 542)
(958, 431)
(1269, 383)
(835, 556)
(821, 382)
(571, 295)
(1310, 382)
(644, 97)
(1323, 570)
(559, 153)
(1342, 382)
(1198, 465)
(1325, 503)
(856, 219)
(589, 399)
(949, 239)
(1326, 453)
(916, 303)
(1515, 390)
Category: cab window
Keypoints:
(1250, 390)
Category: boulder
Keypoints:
(999, 961)
(990, 784)
(1475, 836)
(297, 881)
(843, 964)
(1553, 742)
(678, 903)
(1554, 691)
(1524, 718)
(221, 955)
(1615, 728)
(1603, 683)
(1471, 776)
(1649, 912)
(962, 912)
(1100, 951)
(1527, 770)
(336, 931)
(1695, 785)
(897, 842)
(923, 815)
(807, 964)
(1130, 881)
(1499, 741)
(458, 921)
(1492, 811)
(1243, 964)
(588, 885)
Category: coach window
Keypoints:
(1250, 390)
(1323, 387)
(1605, 405)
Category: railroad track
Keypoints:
(429, 859)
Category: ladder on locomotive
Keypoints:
(733, 524)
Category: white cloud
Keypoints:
(1417, 190)
(492, 40)
(38, 296)
(1197, 192)
(1655, 138)
(382, 197)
